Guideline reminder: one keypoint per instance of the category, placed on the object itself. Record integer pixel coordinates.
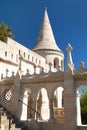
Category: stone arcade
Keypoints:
(34, 86)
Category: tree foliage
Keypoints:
(84, 106)
(5, 32)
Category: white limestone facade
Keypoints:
(15, 57)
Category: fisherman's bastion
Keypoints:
(36, 92)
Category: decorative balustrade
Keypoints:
(59, 114)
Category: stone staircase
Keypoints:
(10, 122)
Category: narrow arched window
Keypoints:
(56, 63)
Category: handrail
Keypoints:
(30, 107)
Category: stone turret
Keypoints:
(46, 45)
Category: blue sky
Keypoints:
(68, 20)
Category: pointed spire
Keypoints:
(46, 38)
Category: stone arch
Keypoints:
(27, 104)
(56, 63)
(80, 118)
(58, 104)
(59, 97)
(43, 104)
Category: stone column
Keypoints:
(36, 113)
(78, 109)
(51, 109)
(35, 109)
(70, 121)
(39, 105)
(69, 112)
(22, 108)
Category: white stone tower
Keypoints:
(46, 45)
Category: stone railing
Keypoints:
(59, 114)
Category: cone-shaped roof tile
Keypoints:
(46, 38)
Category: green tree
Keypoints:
(5, 32)
(84, 106)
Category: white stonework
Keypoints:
(34, 86)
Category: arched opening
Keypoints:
(27, 105)
(59, 104)
(82, 105)
(43, 105)
(56, 63)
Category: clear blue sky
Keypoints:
(68, 20)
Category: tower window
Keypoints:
(62, 64)
(56, 63)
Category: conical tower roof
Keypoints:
(46, 38)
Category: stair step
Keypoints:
(6, 118)
(15, 128)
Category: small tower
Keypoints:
(46, 45)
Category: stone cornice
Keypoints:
(59, 79)
(7, 82)
(80, 77)
(49, 50)
(8, 62)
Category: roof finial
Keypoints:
(46, 8)
(69, 56)
(69, 49)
